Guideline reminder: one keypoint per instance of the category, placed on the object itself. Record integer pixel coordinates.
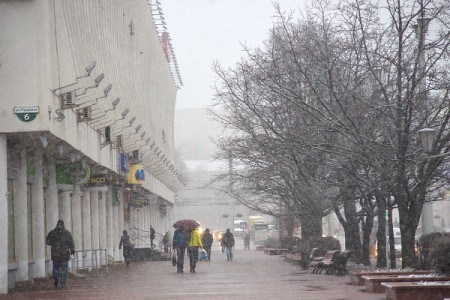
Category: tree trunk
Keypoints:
(367, 230)
(352, 238)
(381, 233)
(391, 238)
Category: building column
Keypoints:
(64, 208)
(109, 224)
(95, 242)
(51, 203)
(76, 217)
(102, 224)
(116, 232)
(38, 218)
(20, 218)
(86, 218)
(121, 224)
(3, 215)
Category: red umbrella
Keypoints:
(186, 224)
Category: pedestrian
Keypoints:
(179, 244)
(207, 241)
(127, 244)
(247, 241)
(194, 242)
(62, 246)
(166, 241)
(152, 236)
(228, 242)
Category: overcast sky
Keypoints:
(203, 31)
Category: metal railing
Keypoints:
(89, 260)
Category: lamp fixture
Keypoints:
(99, 79)
(427, 136)
(107, 89)
(138, 128)
(115, 103)
(125, 113)
(44, 140)
(59, 149)
(89, 69)
(59, 115)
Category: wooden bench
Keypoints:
(325, 263)
(416, 291)
(356, 277)
(297, 259)
(373, 283)
(275, 251)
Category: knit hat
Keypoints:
(60, 224)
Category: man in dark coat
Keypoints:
(127, 247)
(62, 246)
(228, 242)
(152, 237)
(207, 241)
(179, 244)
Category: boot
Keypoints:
(193, 268)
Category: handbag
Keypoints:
(174, 259)
(203, 255)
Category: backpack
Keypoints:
(130, 242)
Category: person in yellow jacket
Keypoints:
(194, 242)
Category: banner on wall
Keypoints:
(72, 173)
(124, 163)
(136, 174)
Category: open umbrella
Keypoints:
(186, 224)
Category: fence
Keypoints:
(90, 259)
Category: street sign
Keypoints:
(26, 113)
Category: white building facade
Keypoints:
(87, 101)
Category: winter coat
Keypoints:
(228, 239)
(152, 233)
(207, 240)
(194, 239)
(179, 239)
(166, 239)
(125, 242)
(61, 242)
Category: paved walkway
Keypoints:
(251, 275)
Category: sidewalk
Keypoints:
(251, 275)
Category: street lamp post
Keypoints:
(427, 136)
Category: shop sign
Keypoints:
(136, 174)
(98, 180)
(26, 113)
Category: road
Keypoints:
(251, 275)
